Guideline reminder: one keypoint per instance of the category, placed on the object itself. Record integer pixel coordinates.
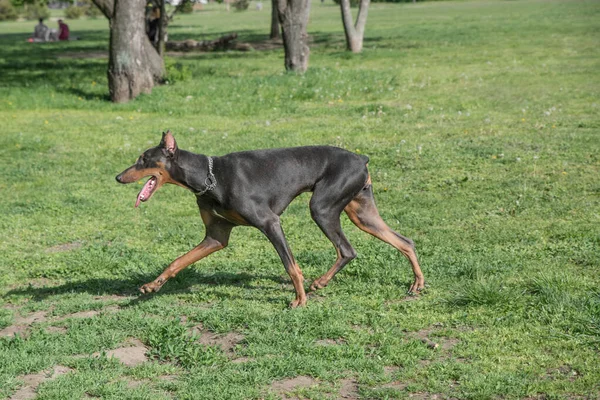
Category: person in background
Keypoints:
(41, 32)
(63, 30)
(152, 25)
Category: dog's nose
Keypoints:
(118, 178)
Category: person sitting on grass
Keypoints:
(63, 30)
(41, 32)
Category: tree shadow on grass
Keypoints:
(244, 35)
(87, 95)
(36, 64)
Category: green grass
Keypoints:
(481, 120)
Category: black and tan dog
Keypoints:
(254, 187)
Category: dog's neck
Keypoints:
(194, 170)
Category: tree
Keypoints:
(275, 33)
(8, 11)
(184, 6)
(162, 28)
(354, 32)
(134, 65)
(293, 17)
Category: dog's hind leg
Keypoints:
(363, 213)
(326, 214)
(217, 238)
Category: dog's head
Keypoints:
(159, 163)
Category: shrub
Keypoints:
(73, 12)
(186, 7)
(36, 10)
(91, 10)
(176, 72)
(241, 5)
(7, 11)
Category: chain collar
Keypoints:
(210, 182)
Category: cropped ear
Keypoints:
(168, 143)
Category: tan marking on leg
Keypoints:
(298, 282)
(363, 213)
(323, 281)
(208, 246)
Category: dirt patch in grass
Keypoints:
(226, 342)
(60, 248)
(81, 314)
(390, 369)
(111, 309)
(449, 343)
(330, 342)
(241, 360)
(21, 325)
(35, 317)
(367, 329)
(396, 385)
(444, 343)
(32, 381)
(131, 355)
(168, 378)
(15, 330)
(132, 384)
(348, 389)
(427, 396)
(563, 371)
(57, 329)
(286, 386)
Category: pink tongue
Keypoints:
(145, 192)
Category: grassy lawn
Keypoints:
(481, 121)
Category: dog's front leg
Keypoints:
(272, 229)
(217, 238)
(206, 247)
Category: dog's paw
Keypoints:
(298, 302)
(318, 284)
(417, 287)
(151, 287)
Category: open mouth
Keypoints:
(146, 192)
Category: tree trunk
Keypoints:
(162, 29)
(133, 65)
(354, 32)
(293, 17)
(275, 33)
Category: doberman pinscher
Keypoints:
(254, 187)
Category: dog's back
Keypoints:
(277, 176)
